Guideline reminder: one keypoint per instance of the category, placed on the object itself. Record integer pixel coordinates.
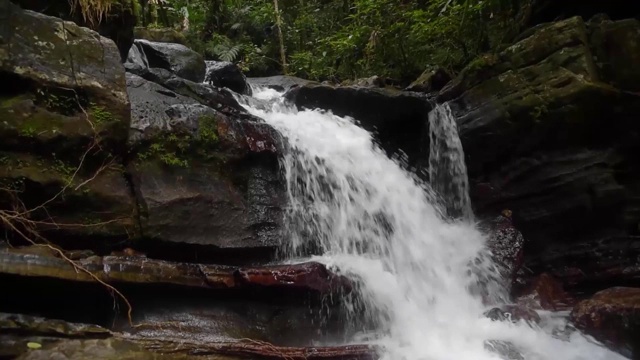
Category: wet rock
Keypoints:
(177, 58)
(507, 245)
(227, 74)
(204, 176)
(149, 104)
(282, 83)
(513, 313)
(591, 265)
(611, 316)
(431, 80)
(505, 350)
(545, 292)
(396, 117)
(311, 277)
(166, 35)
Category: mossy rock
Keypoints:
(70, 200)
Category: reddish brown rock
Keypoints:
(611, 316)
(545, 292)
(311, 275)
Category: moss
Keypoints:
(208, 133)
(177, 149)
(99, 115)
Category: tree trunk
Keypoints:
(283, 57)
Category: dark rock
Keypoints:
(203, 177)
(149, 106)
(177, 58)
(612, 316)
(282, 83)
(513, 313)
(616, 51)
(507, 245)
(545, 292)
(590, 266)
(227, 74)
(535, 124)
(431, 80)
(398, 118)
(166, 35)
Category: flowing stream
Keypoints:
(365, 216)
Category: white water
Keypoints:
(447, 169)
(376, 223)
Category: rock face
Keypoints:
(395, 116)
(65, 121)
(548, 132)
(226, 74)
(203, 177)
(612, 316)
(177, 58)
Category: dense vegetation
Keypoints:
(341, 39)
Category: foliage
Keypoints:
(342, 39)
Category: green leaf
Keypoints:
(34, 345)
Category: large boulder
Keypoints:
(65, 116)
(227, 74)
(398, 118)
(117, 24)
(177, 58)
(549, 132)
(613, 317)
(203, 176)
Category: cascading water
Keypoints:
(375, 222)
(447, 169)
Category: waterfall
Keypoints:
(366, 217)
(447, 169)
